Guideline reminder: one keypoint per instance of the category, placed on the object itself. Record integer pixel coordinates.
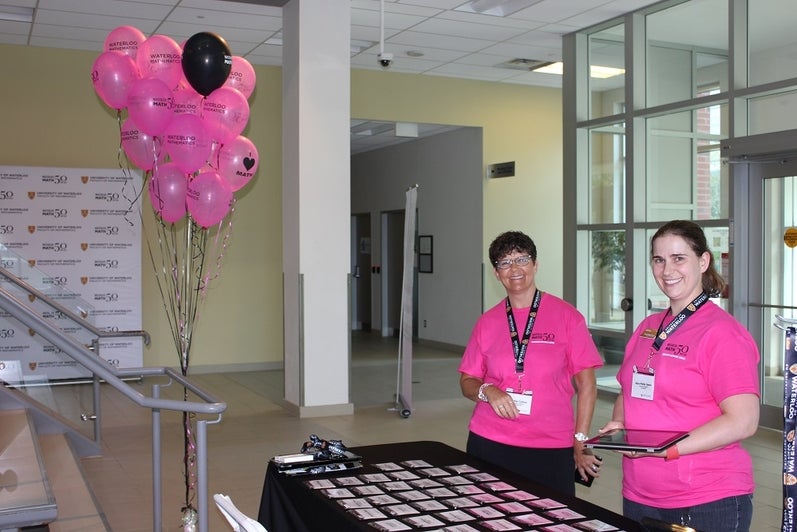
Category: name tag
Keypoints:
(522, 401)
(642, 386)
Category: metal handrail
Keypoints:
(99, 333)
(114, 377)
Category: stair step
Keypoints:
(77, 507)
(26, 496)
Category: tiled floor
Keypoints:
(255, 428)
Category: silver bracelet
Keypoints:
(482, 396)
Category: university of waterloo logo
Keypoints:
(84, 212)
(32, 262)
(31, 229)
(84, 280)
(84, 179)
(31, 298)
(32, 365)
(84, 246)
(31, 194)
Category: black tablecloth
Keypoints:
(288, 504)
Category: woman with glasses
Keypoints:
(694, 368)
(526, 358)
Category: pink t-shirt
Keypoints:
(560, 346)
(709, 358)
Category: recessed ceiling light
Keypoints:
(414, 53)
(595, 71)
(496, 8)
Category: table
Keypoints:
(291, 504)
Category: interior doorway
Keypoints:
(361, 265)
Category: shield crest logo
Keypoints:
(31, 332)
(84, 179)
(84, 212)
(31, 298)
(84, 246)
(84, 280)
(31, 229)
(31, 194)
(32, 365)
(31, 262)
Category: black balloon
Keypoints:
(207, 61)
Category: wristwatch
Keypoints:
(580, 436)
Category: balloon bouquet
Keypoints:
(186, 107)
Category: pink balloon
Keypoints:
(143, 150)
(149, 104)
(112, 73)
(187, 101)
(208, 198)
(167, 192)
(187, 142)
(160, 57)
(238, 162)
(124, 40)
(242, 76)
(225, 112)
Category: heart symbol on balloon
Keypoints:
(248, 163)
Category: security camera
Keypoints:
(385, 59)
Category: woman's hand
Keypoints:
(586, 462)
(610, 426)
(503, 405)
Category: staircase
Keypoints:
(41, 483)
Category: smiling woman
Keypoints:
(524, 418)
(693, 368)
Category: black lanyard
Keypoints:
(666, 332)
(519, 346)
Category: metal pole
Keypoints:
(156, 463)
(202, 475)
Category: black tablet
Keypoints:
(648, 441)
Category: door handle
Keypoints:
(627, 304)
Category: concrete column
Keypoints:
(316, 205)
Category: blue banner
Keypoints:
(789, 425)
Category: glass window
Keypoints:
(771, 41)
(607, 72)
(607, 279)
(687, 47)
(685, 177)
(776, 112)
(607, 174)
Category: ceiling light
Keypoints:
(16, 14)
(602, 72)
(595, 71)
(496, 8)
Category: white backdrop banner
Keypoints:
(71, 233)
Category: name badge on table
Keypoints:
(642, 386)
(522, 401)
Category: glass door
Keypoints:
(772, 268)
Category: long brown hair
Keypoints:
(713, 283)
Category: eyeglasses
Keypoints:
(503, 264)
